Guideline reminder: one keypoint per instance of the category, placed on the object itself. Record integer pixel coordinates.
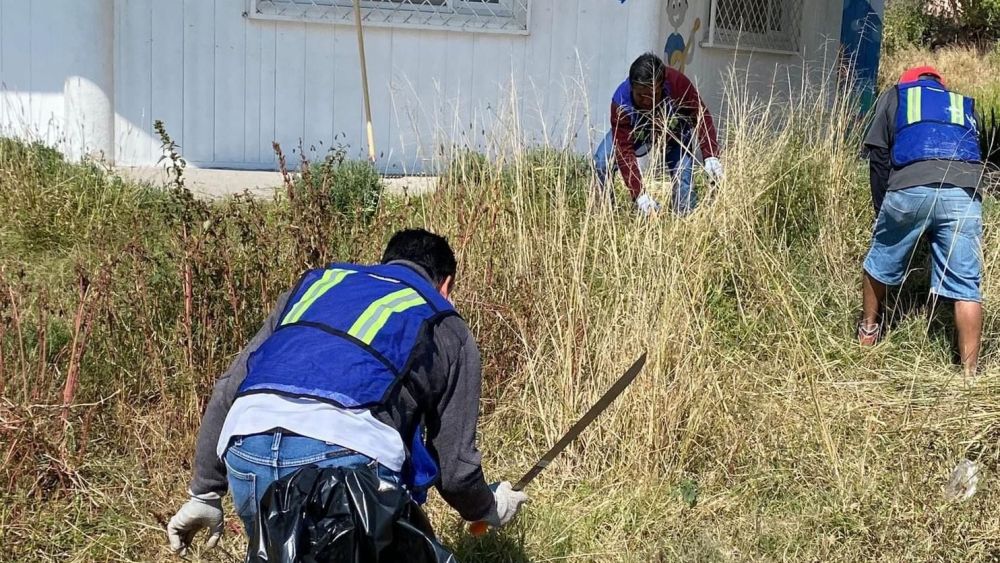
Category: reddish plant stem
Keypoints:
(188, 275)
(76, 350)
(43, 350)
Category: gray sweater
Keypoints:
(442, 390)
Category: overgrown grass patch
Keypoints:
(758, 430)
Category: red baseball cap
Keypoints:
(914, 74)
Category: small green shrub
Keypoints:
(905, 25)
(353, 188)
(979, 22)
(912, 23)
(334, 194)
(52, 207)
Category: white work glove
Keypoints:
(202, 511)
(647, 205)
(713, 166)
(506, 503)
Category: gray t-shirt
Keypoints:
(924, 173)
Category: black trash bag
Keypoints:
(341, 515)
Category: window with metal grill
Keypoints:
(498, 16)
(756, 25)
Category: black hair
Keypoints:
(648, 70)
(425, 249)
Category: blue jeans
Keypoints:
(677, 160)
(952, 219)
(254, 462)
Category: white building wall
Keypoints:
(56, 73)
(226, 85)
(764, 73)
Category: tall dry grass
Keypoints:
(966, 70)
(758, 431)
(799, 445)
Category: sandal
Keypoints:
(869, 335)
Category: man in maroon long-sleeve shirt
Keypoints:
(658, 106)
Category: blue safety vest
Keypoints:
(642, 125)
(934, 124)
(347, 336)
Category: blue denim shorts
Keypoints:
(952, 220)
(254, 462)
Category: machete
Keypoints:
(480, 528)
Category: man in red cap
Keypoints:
(914, 74)
(926, 167)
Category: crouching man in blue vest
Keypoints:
(356, 365)
(926, 167)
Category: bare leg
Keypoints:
(969, 323)
(873, 295)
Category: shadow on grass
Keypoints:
(914, 298)
(495, 547)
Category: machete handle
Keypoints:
(477, 529)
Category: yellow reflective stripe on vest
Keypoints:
(913, 109)
(377, 314)
(330, 278)
(957, 109)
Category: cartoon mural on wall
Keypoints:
(678, 52)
